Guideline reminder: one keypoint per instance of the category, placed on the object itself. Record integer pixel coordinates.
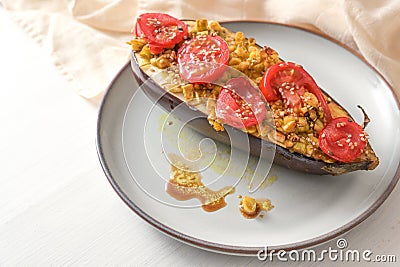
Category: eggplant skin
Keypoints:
(283, 157)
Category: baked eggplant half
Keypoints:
(208, 70)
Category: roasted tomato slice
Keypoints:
(289, 81)
(160, 30)
(342, 139)
(203, 59)
(239, 104)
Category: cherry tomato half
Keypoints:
(289, 81)
(160, 30)
(239, 104)
(203, 59)
(342, 139)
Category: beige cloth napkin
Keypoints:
(86, 38)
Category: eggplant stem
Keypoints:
(366, 118)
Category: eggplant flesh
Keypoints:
(283, 157)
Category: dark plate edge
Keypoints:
(239, 250)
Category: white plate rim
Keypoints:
(241, 250)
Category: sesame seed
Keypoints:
(339, 144)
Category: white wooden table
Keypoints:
(57, 207)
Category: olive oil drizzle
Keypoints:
(185, 184)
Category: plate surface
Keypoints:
(134, 137)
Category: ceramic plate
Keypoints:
(134, 136)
